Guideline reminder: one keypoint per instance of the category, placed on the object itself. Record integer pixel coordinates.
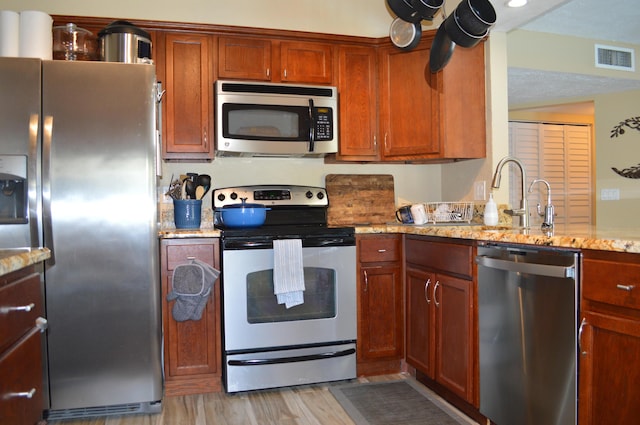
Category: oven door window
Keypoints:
(319, 297)
(265, 122)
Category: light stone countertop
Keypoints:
(581, 237)
(12, 260)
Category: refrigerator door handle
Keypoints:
(160, 92)
(34, 128)
(46, 188)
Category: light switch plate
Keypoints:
(479, 190)
(610, 194)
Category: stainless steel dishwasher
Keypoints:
(528, 321)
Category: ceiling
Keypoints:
(613, 20)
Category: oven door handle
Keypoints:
(279, 360)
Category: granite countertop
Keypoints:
(18, 258)
(565, 236)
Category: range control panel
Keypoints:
(271, 195)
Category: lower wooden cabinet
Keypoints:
(609, 340)
(192, 349)
(21, 383)
(440, 322)
(380, 304)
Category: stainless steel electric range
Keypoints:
(266, 344)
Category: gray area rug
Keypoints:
(403, 402)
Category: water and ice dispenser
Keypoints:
(13, 189)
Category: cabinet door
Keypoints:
(454, 311)
(244, 58)
(380, 306)
(408, 104)
(357, 85)
(188, 109)
(306, 62)
(462, 123)
(191, 348)
(609, 370)
(421, 320)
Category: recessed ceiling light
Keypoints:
(516, 3)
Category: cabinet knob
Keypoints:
(26, 308)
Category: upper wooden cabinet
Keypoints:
(261, 59)
(423, 117)
(408, 104)
(357, 85)
(185, 62)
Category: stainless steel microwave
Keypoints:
(275, 120)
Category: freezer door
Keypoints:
(102, 292)
(19, 144)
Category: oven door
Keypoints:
(253, 320)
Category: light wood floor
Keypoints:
(304, 405)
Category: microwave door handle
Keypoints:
(312, 127)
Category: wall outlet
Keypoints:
(480, 191)
(610, 194)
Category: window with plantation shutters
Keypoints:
(560, 154)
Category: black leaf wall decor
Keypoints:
(618, 130)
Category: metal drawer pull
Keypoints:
(24, 394)
(42, 324)
(27, 308)
(382, 251)
(426, 290)
(435, 288)
(366, 281)
(582, 325)
(627, 288)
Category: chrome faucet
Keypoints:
(548, 209)
(523, 211)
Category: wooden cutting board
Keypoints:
(360, 199)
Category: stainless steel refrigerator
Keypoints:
(87, 135)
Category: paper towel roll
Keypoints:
(9, 33)
(36, 37)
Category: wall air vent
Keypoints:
(619, 58)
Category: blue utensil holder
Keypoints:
(186, 213)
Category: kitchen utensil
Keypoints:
(403, 214)
(404, 10)
(183, 190)
(458, 34)
(441, 50)
(200, 192)
(427, 8)
(405, 35)
(190, 189)
(204, 180)
(243, 215)
(475, 16)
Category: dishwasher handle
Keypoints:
(529, 268)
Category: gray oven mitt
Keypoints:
(191, 286)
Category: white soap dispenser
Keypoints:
(490, 212)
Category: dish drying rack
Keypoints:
(449, 212)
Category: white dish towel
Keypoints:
(288, 272)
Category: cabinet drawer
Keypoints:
(448, 257)
(611, 282)
(21, 371)
(19, 295)
(379, 249)
(180, 254)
